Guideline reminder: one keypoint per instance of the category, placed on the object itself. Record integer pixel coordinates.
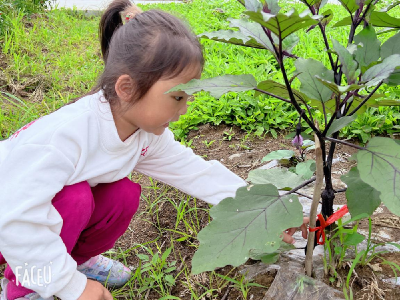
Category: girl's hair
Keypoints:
(150, 46)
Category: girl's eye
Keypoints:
(178, 98)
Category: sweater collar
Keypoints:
(108, 131)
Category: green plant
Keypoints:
(155, 272)
(350, 85)
(228, 135)
(208, 144)
(241, 284)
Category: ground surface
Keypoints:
(157, 222)
(157, 225)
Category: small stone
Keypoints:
(338, 159)
(393, 281)
(236, 155)
(375, 267)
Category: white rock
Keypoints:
(338, 159)
(236, 155)
(394, 281)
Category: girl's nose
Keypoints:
(183, 110)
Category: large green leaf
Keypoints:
(217, 86)
(349, 65)
(387, 102)
(289, 43)
(252, 30)
(340, 123)
(353, 239)
(281, 178)
(279, 90)
(379, 167)
(270, 258)
(330, 105)
(370, 50)
(281, 24)
(383, 19)
(337, 89)
(361, 197)
(253, 5)
(343, 22)
(310, 85)
(232, 37)
(250, 34)
(381, 71)
(272, 6)
(279, 154)
(391, 46)
(394, 78)
(306, 169)
(350, 5)
(254, 219)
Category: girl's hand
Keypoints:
(95, 291)
(287, 234)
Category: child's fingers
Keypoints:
(304, 230)
(291, 231)
(288, 238)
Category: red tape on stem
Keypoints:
(320, 230)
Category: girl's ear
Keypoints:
(124, 88)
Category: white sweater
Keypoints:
(79, 142)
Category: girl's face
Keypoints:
(156, 110)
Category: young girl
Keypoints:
(65, 198)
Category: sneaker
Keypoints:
(31, 296)
(106, 271)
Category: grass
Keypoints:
(53, 57)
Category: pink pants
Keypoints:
(93, 219)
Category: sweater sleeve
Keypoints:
(177, 165)
(30, 226)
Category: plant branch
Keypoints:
(324, 111)
(268, 34)
(305, 183)
(279, 56)
(366, 99)
(321, 27)
(272, 95)
(364, 14)
(344, 143)
(303, 195)
(340, 190)
(291, 95)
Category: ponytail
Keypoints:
(112, 20)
